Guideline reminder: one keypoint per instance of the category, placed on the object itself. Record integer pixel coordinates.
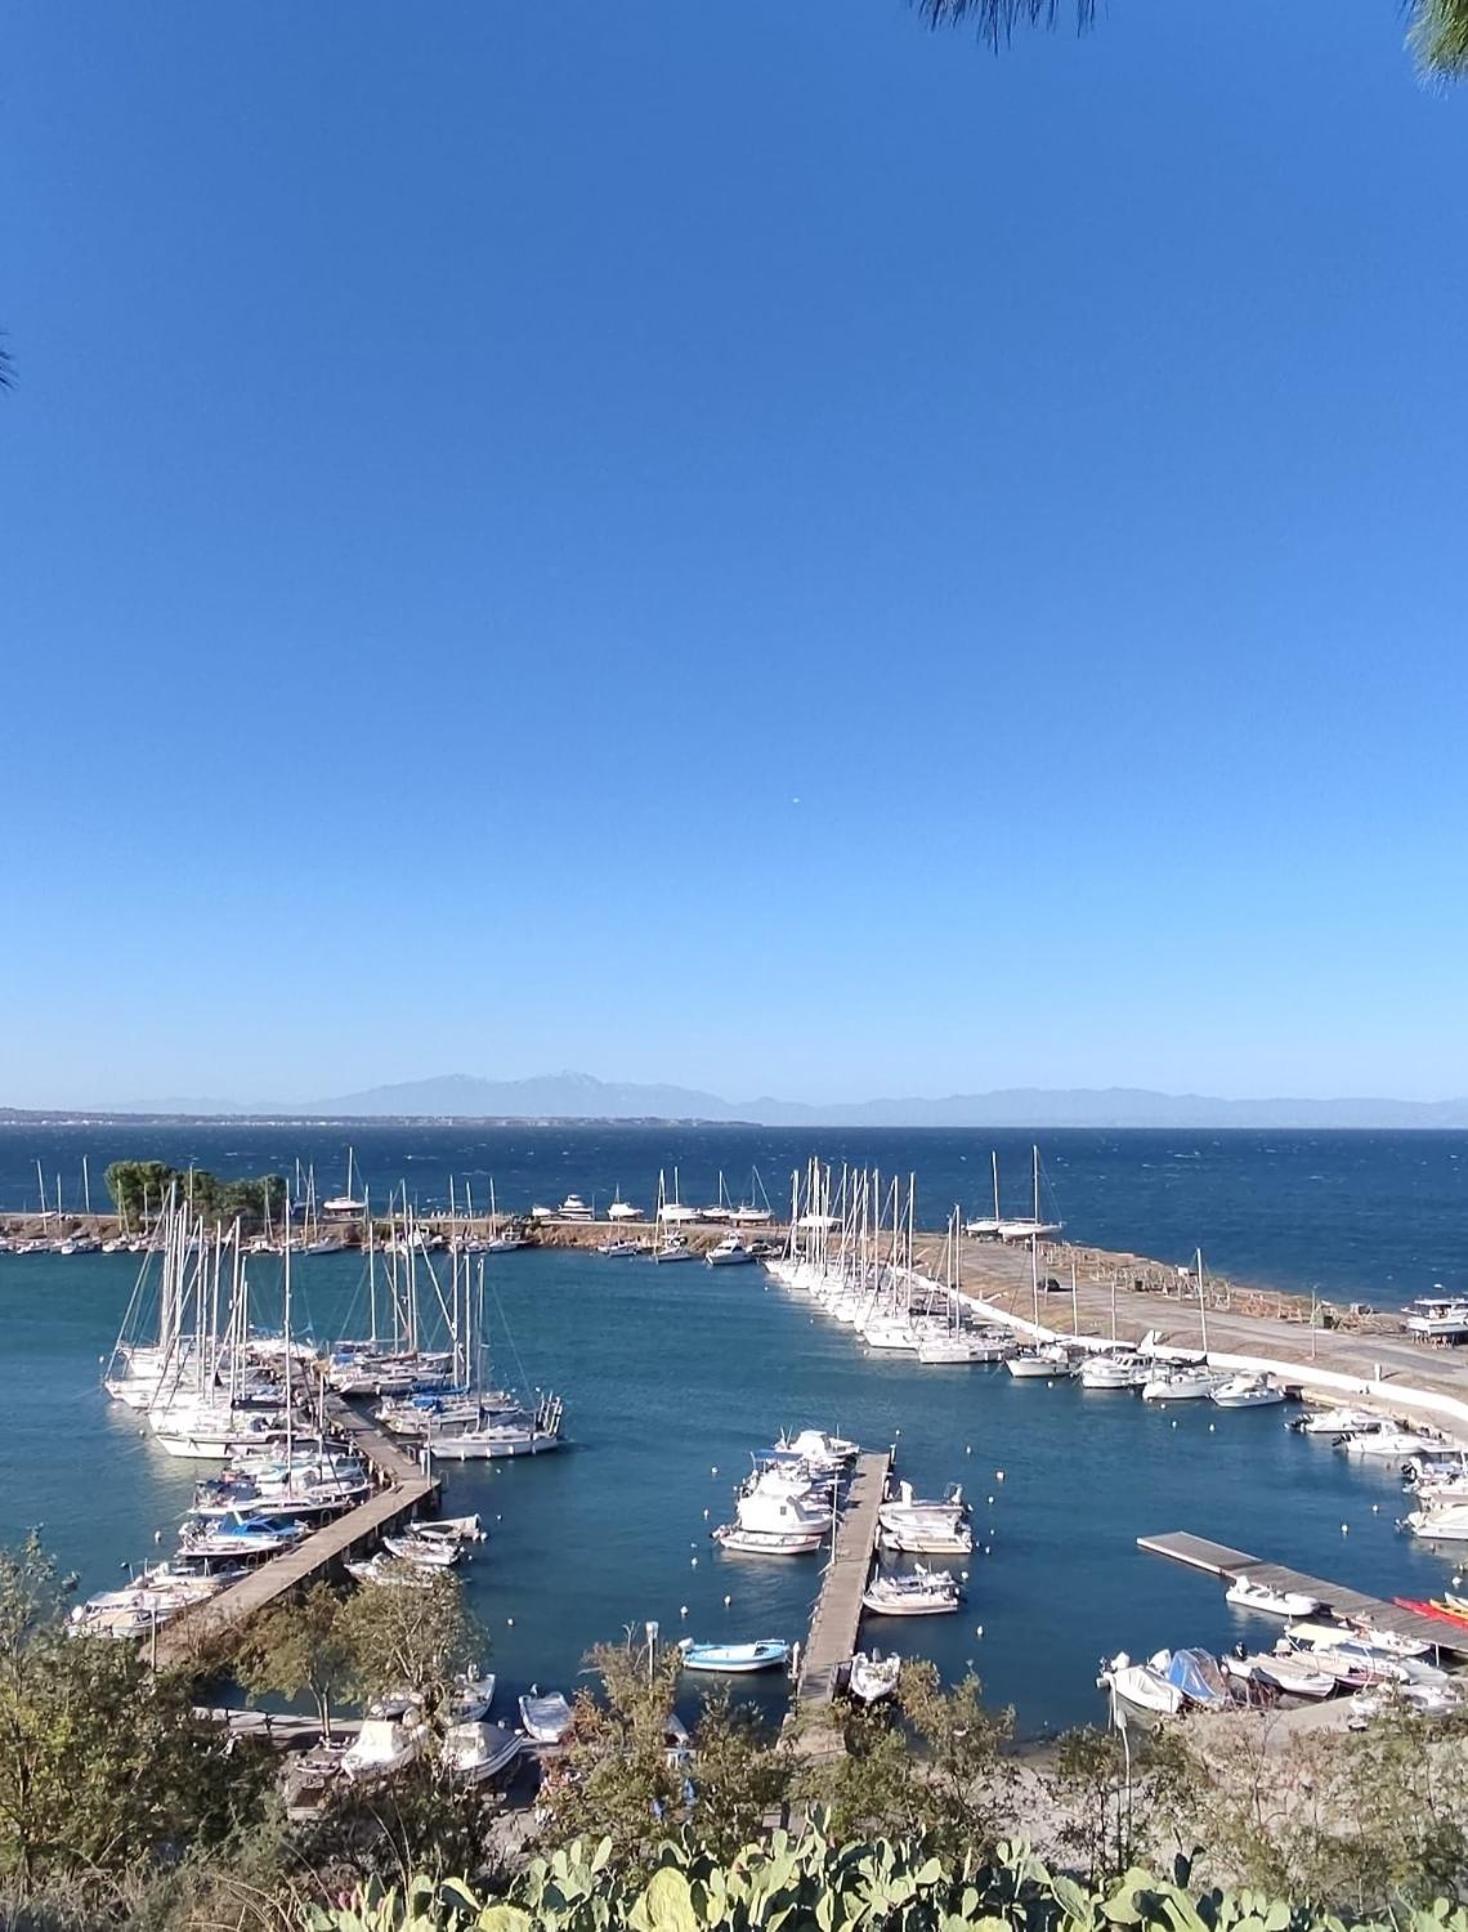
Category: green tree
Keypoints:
(965, 1776)
(401, 1638)
(301, 1648)
(616, 1781)
(102, 1764)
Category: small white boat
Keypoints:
(426, 1552)
(1105, 1370)
(768, 1653)
(872, 1678)
(1248, 1392)
(1144, 1686)
(618, 1249)
(1386, 1442)
(923, 1593)
(1245, 1594)
(383, 1745)
(386, 1572)
(1033, 1364)
(474, 1752)
(546, 1716)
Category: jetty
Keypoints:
(405, 1491)
(1217, 1559)
(836, 1618)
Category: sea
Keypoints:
(673, 1377)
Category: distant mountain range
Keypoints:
(579, 1096)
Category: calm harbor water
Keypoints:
(672, 1376)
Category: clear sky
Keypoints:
(738, 542)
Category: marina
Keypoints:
(675, 1376)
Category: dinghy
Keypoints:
(546, 1716)
(1145, 1687)
(769, 1653)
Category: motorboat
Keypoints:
(237, 1535)
(545, 1715)
(925, 1528)
(382, 1745)
(921, 1593)
(1245, 1594)
(474, 1752)
(966, 1346)
(1248, 1392)
(1440, 1523)
(872, 1677)
(1188, 1382)
(619, 1249)
(1146, 1687)
(621, 1210)
(816, 1447)
(771, 1522)
(1333, 1422)
(1386, 1441)
(1438, 1318)
(386, 1572)
(1109, 1369)
(1031, 1364)
(768, 1653)
(1287, 1672)
(1197, 1675)
(573, 1208)
(731, 1252)
(426, 1552)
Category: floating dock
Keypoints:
(836, 1619)
(1217, 1559)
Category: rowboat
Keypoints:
(769, 1653)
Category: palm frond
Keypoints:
(1439, 36)
(996, 20)
(7, 370)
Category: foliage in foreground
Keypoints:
(816, 1884)
(140, 1188)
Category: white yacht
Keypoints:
(731, 1252)
(771, 1522)
(920, 1593)
(573, 1208)
(1438, 1318)
(1245, 1594)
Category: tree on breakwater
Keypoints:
(140, 1188)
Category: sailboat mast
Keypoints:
(1202, 1303)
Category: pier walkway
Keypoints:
(1217, 1559)
(836, 1618)
(405, 1491)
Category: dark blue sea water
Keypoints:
(1379, 1216)
(673, 1375)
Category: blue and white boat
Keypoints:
(770, 1653)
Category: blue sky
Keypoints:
(744, 544)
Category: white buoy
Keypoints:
(510, 1622)
(695, 1563)
(999, 1475)
(705, 1516)
(715, 1470)
(978, 1630)
(682, 1609)
(1210, 1428)
(727, 1602)
(991, 1502)
(968, 1448)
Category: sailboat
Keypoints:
(497, 1432)
(987, 1226)
(502, 1240)
(344, 1206)
(671, 1214)
(1027, 1227)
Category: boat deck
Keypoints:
(1221, 1561)
(836, 1618)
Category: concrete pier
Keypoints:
(836, 1619)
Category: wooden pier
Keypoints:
(1217, 1559)
(406, 1491)
(836, 1618)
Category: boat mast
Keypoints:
(994, 1161)
(1202, 1303)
